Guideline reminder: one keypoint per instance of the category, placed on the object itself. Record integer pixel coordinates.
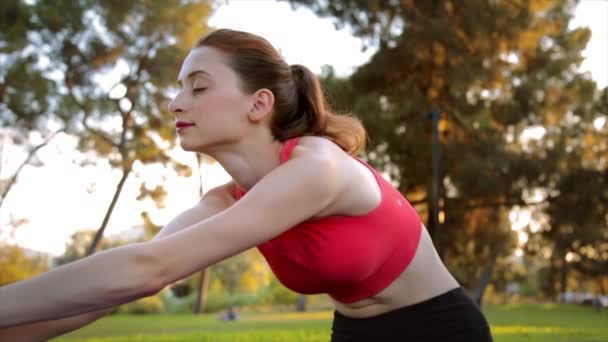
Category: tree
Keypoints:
(495, 69)
(575, 208)
(77, 247)
(24, 89)
(139, 43)
(56, 54)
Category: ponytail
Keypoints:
(313, 117)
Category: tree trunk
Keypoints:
(600, 281)
(563, 276)
(201, 297)
(203, 285)
(94, 245)
(484, 280)
(301, 303)
(429, 216)
(434, 229)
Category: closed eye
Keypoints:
(198, 90)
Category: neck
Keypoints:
(248, 161)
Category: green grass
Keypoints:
(510, 323)
(267, 327)
(547, 322)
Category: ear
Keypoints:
(263, 103)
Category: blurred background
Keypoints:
(489, 115)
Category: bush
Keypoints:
(148, 305)
(276, 293)
(215, 302)
(181, 290)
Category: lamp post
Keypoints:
(436, 184)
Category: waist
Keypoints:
(453, 311)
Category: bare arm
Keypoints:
(45, 330)
(213, 202)
(288, 195)
(291, 193)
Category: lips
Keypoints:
(181, 124)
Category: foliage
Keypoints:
(276, 294)
(215, 302)
(147, 305)
(76, 247)
(103, 71)
(574, 234)
(16, 265)
(246, 272)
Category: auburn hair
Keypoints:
(300, 105)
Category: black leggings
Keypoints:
(452, 317)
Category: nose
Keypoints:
(176, 106)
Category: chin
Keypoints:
(208, 145)
(186, 146)
(199, 146)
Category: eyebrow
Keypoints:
(193, 73)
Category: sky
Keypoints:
(62, 197)
(594, 14)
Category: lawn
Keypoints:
(510, 323)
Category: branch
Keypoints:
(419, 201)
(126, 115)
(27, 160)
(85, 117)
(2, 91)
(86, 114)
(501, 203)
(509, 203)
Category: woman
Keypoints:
(326, 221)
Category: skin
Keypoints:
(231, 126)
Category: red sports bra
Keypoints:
(348, 257)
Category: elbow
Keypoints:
(142, 276)
(151, 271)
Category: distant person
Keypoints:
(597, 303)
(230, 314)
(325, 220)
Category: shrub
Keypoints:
(148, 305)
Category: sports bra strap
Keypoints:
(288, 146)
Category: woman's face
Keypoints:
(211, 107)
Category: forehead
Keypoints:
(205, 59)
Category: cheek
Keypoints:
(227, 104)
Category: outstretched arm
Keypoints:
(43, 331)
(291, 193)
(213, 202)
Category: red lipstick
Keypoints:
(181, 125)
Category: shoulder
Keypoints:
(317, 147)
(351, 184)
(320, 161)
(221, 196)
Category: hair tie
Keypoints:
(296, 70)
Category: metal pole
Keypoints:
(435, 113)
